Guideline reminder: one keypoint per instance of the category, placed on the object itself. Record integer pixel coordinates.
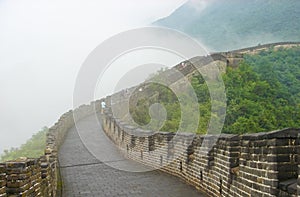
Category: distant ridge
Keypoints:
(225, 25)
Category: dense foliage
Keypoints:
(231, 24)
(263, 94)
(33, 148)
(159, 94)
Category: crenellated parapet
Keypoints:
(259, 164)
(263, 164)
(40, 176)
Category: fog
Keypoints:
(42, 46)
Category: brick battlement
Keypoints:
(264, 164)
(39, 177)
(260, 164)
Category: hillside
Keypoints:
(33, 148)
(231, 24)
(263, 94)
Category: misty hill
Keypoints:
(230, 24)
(262, 93)
(33, 148)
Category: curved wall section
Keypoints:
(39, 176)
(260, 164)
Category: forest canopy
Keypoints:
(263, 94)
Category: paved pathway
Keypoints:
(84, 175)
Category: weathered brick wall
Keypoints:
(23, 178)
(256, 49)
(248, 165)
(2, 180)
(262, 164)
(298, 185)
(39, 177)
(267, 160)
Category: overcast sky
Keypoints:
(42, 46)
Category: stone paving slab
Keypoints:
(84, 175)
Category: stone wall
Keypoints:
(298, 182)
(39, 176)
(257, 49)
(263, 164)
(231, 58)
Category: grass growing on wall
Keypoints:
(33, 148)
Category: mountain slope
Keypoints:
(33, 148)
(262, 94)
(230, 24)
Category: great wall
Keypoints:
(261, 164)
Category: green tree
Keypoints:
(33, 148)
